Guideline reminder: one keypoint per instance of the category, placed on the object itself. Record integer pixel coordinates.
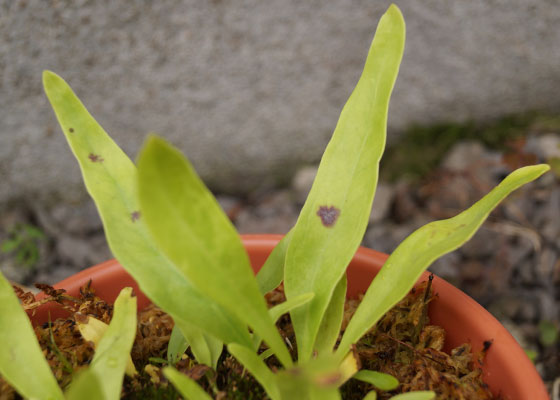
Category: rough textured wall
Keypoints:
(251, 89)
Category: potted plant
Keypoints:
(170, 235)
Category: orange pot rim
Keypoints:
(507, 369)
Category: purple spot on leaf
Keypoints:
(135, 216)
(328, 215)
(95, 158)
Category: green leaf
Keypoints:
(113, 350)
(419, 395)
(22, 363)
(548, 333)
(403, 268)
(85, 386)
(257, 368)
(9, 245)
(33, 232)
(319, 378)
(110, 178)
(191, 228)
(378, 379)
(332, 320)
(371, 395)
(188, 388)
(206, 348)
(271, 273)
(177, 346)
(280, 309)
(335, 215)
(158, 360)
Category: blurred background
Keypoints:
(251, 92)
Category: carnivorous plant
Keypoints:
(168, 231)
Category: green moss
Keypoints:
(421, 148)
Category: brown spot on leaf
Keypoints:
(95, 158)
(328, 215)
(71, 130)
(135, 216)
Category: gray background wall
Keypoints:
(252, 89)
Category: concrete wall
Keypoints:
(252, 89)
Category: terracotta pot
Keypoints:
(507, 369)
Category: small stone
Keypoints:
(83, 252)
(404, 207)
(471, 271)
(463, 156)
(79, 218)
(56, 274)
(15, 273)
(382, 202)
(517, 334)
(448, 267)
(528, 311)
(518, 251)
(275, 213)
(544, 146)
(545, 265)
(229, 204)
(302, 182)
(482, 244)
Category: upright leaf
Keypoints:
(113, 350)
(403, 268)
(329, 329)
(22, 363)
(271, 273)
(206, 349)
(380, 380)
(93, 330)
(188, 388)
(334, 217)
(190, 227)
(177, 346)
(110, 178)
(85, 385)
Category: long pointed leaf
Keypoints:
(271, 273)
(403, 268)
(257, 368)
(113, 350)
(22, 363)
(93, 330)
(378, 379)
(280, 309)
(177, 346)
(190, 227)
(332, 319)
(188, 388)
(84, 386)
(277, 311)
(334, 217)
(206, 349)
(110, 178)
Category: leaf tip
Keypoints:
(50, 79)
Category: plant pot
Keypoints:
(507, 369)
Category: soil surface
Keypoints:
(403, 344)
(511, 266)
